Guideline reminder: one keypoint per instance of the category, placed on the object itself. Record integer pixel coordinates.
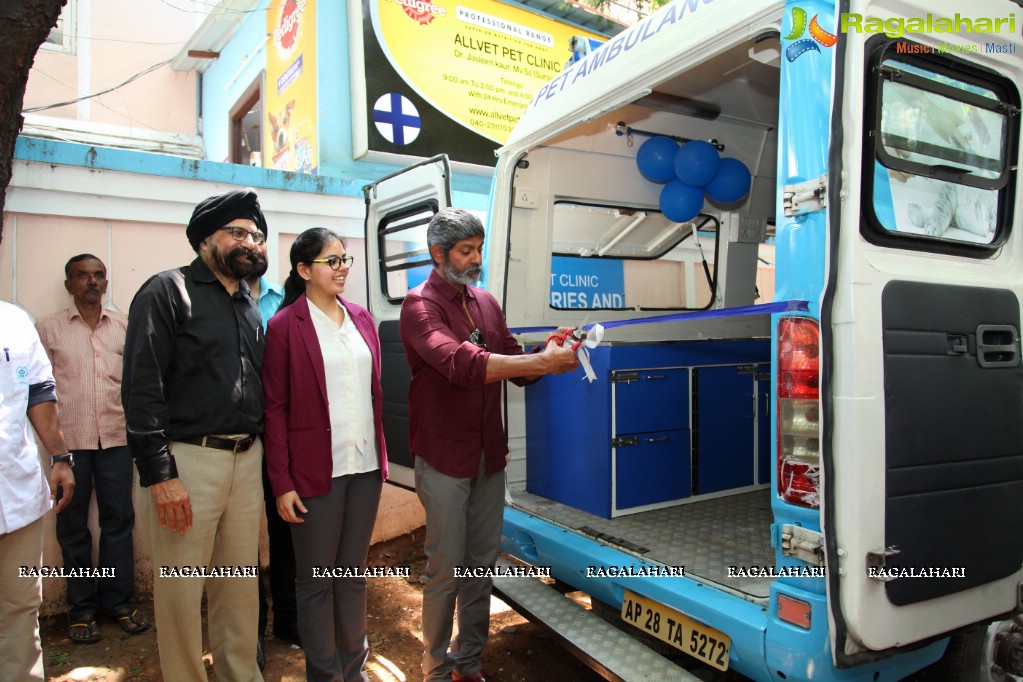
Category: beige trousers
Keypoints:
(226, 492)
(21, 657)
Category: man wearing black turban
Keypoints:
(213, 212)
(193, 403)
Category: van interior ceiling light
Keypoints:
(766, 49)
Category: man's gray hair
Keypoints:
(450, 226)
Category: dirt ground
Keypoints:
(518, 650)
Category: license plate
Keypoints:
(677, 629)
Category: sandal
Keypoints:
(83, 633)
(131, 621)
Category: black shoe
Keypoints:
(260, 657)
(288, 633)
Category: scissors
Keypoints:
(576, 334)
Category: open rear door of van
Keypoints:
(922, 380)
(398, 209)
(922, 383)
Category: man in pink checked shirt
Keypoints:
(85, 344)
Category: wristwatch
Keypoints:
(67, 457)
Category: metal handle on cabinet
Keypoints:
(659, 439)
(650, 377)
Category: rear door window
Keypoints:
(939, 151)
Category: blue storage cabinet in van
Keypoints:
(663, 423)
(650, 436)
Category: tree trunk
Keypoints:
(24, 25)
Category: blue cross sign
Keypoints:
(396, 118)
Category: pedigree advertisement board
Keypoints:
(453, 76)
(289, 97)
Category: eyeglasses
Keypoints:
(476, 339)
(240, 233)
(335, 261)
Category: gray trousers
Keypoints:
(463, 529)
(332, 611)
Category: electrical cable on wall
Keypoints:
(132, 120)
(222, 11)
(138, 75)
(131, 42)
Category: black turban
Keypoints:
(214, 212)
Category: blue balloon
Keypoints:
(731, 183)
(679, 202)
(656, 159)
(696, 163)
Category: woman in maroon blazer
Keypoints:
(325, 448)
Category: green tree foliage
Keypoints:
(641, 7)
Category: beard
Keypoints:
(239, 262)
(466, 277)
(259, 265)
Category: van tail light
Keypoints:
(799, 411)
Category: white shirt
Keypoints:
(24, 492)
(348, 366)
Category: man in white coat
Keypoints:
(27, 394)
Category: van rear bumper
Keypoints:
(762, 645)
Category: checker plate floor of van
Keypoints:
(705, 536)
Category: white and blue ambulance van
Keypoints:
(800, 456)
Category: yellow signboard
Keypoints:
(476, 62)
(289, 115)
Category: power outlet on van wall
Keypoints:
(525, 197)
(749, 230)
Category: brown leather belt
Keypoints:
(230, 444)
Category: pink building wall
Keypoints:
(136, 224)
(118, 39)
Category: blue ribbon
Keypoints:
(763, 309)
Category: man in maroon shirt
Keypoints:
(459, 348)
